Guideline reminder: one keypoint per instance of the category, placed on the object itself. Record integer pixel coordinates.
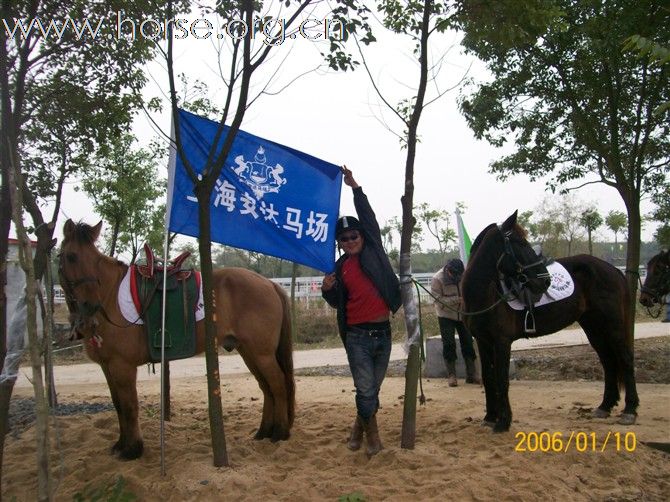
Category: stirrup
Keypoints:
(529, 323)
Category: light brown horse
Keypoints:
(252, 315)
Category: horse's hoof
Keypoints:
(627, 418)
(500, 427)
(280, 435)
(132, 452)
(600, 413)
(488, 423)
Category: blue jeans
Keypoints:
(368, 360)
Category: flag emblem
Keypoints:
(261, 177)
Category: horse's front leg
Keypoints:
(502, 351)
(122, 380)
(488, 379)
(115, 399)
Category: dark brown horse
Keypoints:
(599, 304)
(657, 283)
(252, 314)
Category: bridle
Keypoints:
(69, 288)
(656, 293)
(84, 313)
(521, 275)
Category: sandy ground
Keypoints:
(454, 456)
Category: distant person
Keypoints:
(447, 294)
(667, 308)
(364, 290)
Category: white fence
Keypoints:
(310, 287)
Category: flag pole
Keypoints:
(171, 168)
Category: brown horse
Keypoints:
(599, 304)
(252, 315)
(657, 283)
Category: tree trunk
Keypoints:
(219, 451)
(590, 243)
(633, 254)
(412, 372)
(115, 236)
(41, 406)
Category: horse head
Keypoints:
(519, 261)
(657, 282)
(78, 262)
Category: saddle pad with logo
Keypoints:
(561, 287)
(128, 308)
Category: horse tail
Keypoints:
(285, 353)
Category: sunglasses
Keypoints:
(350, 237)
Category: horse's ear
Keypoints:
(96, 231)
(68, 229)
(510, 222)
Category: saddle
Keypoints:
(181, 292)
(524, 295)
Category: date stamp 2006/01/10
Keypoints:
(580, 441)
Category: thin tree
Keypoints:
(419, 21)
(244, 61)
(437, 222)
(124, 183)
(61, 97)
(616, 222)
(591, 220)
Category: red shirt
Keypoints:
(365, 304)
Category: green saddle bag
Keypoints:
(180, 305)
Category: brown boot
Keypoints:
(471, 375)
(356, 438)
(374, 443)
(451, 373)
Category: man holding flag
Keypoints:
(365, 290)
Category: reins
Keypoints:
(503, 297)
(651, 292)
(68, 289)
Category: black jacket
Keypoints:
(374, 263)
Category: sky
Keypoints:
(337, 117)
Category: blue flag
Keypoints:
(269, 198)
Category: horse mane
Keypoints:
(479, 239)
(83, 233)
(518, 229)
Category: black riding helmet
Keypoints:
(347, 223)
